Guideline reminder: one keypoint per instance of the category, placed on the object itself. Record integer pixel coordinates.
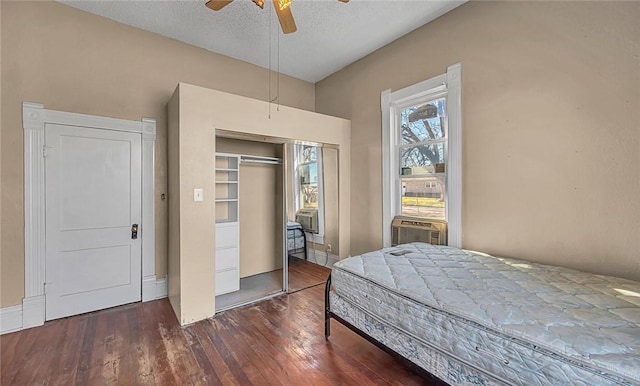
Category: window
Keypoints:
(421, 148)
(307, 166)
(422, 153)
(308, 184)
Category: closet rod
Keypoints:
(259, 159)
(256, 161)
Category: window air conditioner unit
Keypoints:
(407, 230)
(308, 218)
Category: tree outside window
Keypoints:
(422, 159)
(308, 176)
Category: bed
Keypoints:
(473, 319)
(296, 239)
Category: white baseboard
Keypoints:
(154, 288)
(314, 238)
(31, 312)
(10, 319)
(161, 288)
(322, 258)
(149, 288)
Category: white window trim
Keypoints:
(34, 119)
(317, 238)
(389, 103)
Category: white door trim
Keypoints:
(34, 118)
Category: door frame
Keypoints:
(34, 119)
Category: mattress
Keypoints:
(295, 236)
(506, 320)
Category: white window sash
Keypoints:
(448, 85)
(313, 237)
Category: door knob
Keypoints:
(134, 231)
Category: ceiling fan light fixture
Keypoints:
(282, 8)
(217, 5)
(282, 4)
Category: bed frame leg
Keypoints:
(327, 309)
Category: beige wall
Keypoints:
(173, 170)
(1, 191)
(73, 61)
(259, 192)
(201, 112)
(330, 184)
(551, 128)
(195, 241)
(258, 219)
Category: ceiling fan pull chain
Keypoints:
(278, 78)
(269, 63)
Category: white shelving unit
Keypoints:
(227, 223)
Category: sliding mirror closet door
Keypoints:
(312, 213)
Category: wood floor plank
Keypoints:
(33, 369)
(8, 348)
(69, 353)
(87, 350)
(51, 344)
(183, 365)
(158, 358)
(27, 347)
(256, 353)
(275, 342)
(304, 274)
(202, 332)
(208, 374)
(140, 348)
(307, 347)
(273, 332)
(244, 357)
(261, 335)
(227, 355)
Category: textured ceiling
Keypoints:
(330, 36)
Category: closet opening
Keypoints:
(264, 247)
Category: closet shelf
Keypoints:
(226, 221)
(227, 179)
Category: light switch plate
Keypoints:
(198, 195)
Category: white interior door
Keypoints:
(93, 196)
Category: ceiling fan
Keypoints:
(281, 6)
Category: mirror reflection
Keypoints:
(312, 213)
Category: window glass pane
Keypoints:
(423, 197)
(423, 122)
(309, 195)
(422, 159)
(308, 176)
(308, 154)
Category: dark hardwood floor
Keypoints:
(304, 274)
(279, 341)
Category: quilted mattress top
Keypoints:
(591, 318)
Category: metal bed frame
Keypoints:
(304, 242)
(328, 315)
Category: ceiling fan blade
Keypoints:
(344, 1)
(286, 18)
(217, 5)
